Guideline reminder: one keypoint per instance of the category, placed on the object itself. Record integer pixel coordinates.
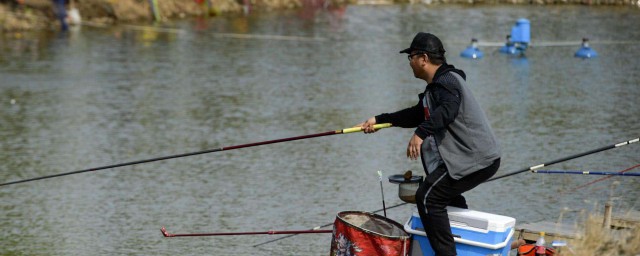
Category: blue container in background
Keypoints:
(585, 51)
(472, 52)
(521, 32)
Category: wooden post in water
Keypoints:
(607, 215)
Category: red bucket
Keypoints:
(363, 233)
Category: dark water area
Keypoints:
(100, 96)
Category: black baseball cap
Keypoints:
(425, 42)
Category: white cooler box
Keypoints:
(480, 233)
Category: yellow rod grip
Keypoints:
(359, 129)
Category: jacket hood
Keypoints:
(444, 68)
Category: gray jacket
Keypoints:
(464, 138)
(468, 144)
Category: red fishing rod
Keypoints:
(270, 232)
(343, 131)
(620, 173)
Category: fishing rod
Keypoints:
(290, 233)
(384, 208)
(343, 131)
(503, 176)
(324, 226)
(585, 173)
(270, 232)
(605, 178)
(593, 151)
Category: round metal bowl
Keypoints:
(407, 186)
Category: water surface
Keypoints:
(99, 96)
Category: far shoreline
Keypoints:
(29, 15)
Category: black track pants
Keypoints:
(438, 191)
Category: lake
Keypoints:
(98, 96)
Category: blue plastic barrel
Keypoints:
(521, 32)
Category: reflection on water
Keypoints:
(99, 96)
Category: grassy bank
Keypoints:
(39, 14)
(601, 241)
(20, 15)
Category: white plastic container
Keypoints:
(480, 233)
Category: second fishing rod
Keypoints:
(531, 168)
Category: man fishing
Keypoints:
(453, 138)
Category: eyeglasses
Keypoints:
(410, 56)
